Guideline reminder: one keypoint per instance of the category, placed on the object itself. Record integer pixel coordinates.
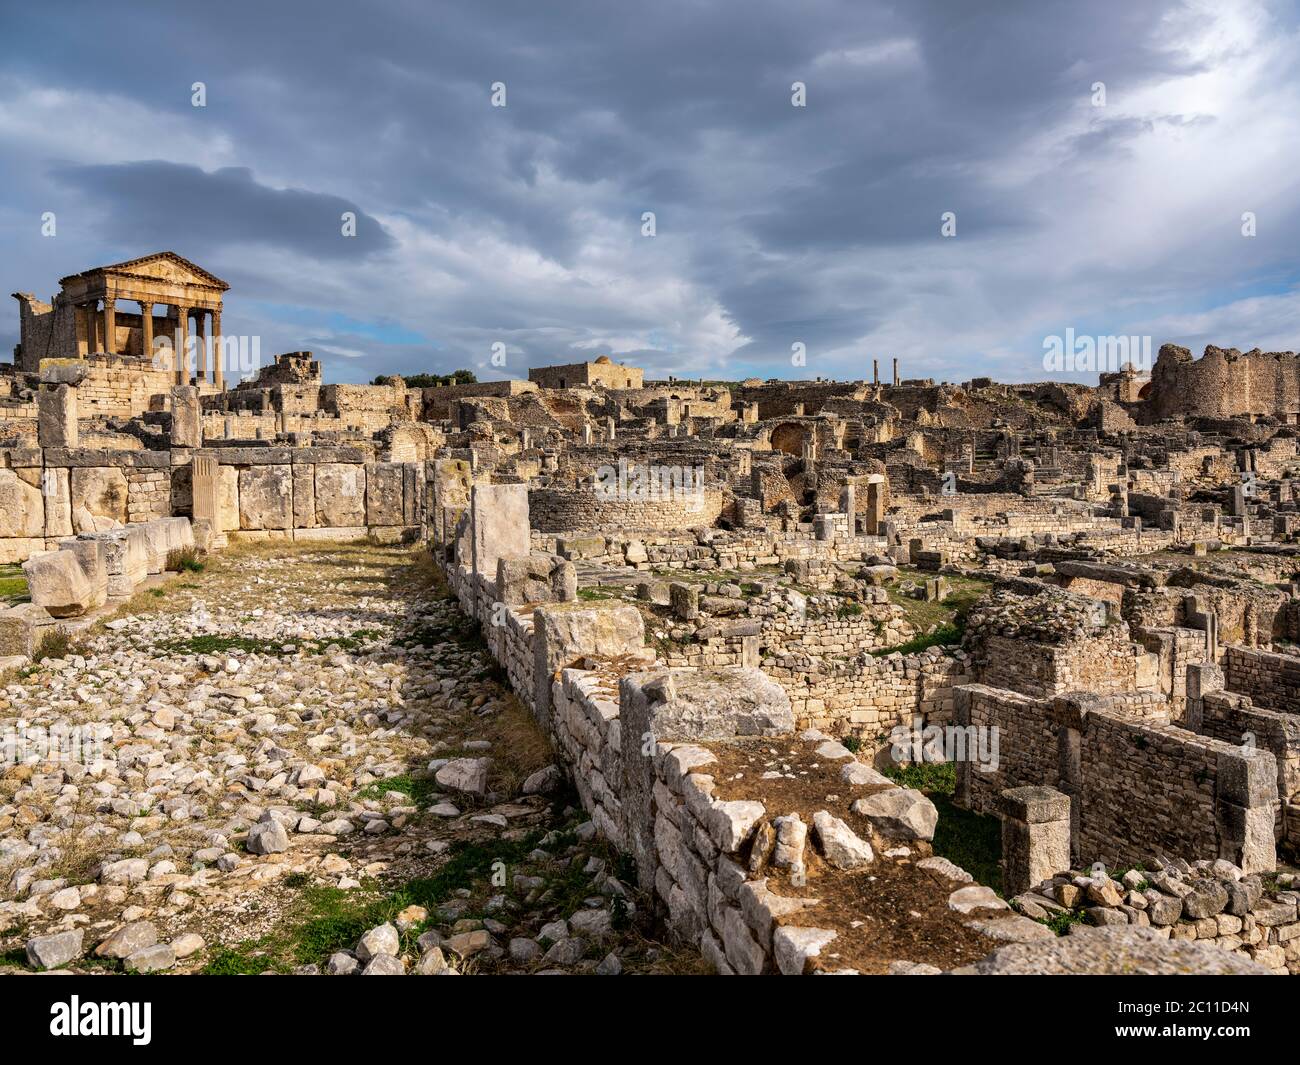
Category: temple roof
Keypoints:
(160, 266)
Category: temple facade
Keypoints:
(173, 325)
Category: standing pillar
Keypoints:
(146, 330)
(217, 368)
(875, 372)
(200, 344)
(182, 345)
(1035, 837)
(895, 373)
(110, 324)
(90, 310)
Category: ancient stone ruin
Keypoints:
(777, 637)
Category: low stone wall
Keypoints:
(566, 509)
(1271, 680)
(1139, 787)
(1207, 901)
(865, 697)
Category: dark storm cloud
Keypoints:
(153, 202)
(775, 224)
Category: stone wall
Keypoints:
(570, 509)
(1138, 786)
(1271, 680)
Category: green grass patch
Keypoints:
(54, 644)
(185, 560)
(1060, 923)
(418, 789)
(970, 840)
(13, 585)
(329, 919)
(246, 959)
(594, 595)
(966, 592)
(948, 634)
(929, 777)
(212, 644)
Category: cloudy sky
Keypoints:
(775, 225)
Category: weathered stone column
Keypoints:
(182, 345)
(88, 319)
(1035, 837)
(200, 342)
(187, 417)
(1202, 679)
(56, 416)
(1245, 808)
(146, 330)
(110, 324)
(219, 374)
(895, 373)
(205, 481)
(56, 403)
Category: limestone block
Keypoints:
(340, 494)
(99, 495)
(538, 578)
(187, 417)
(498, 524)
(21, 629)
(156, 545)
(126, 558)
(706, 704)
(56, 492)
(903, 813)
(384, 494)
(58, 582)
(22, 510)
(56, 416)
(227, 499)
(304, 496)
(265, 497)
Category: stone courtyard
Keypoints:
(594, 673)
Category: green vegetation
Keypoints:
(429, 380)
(185, 560)
(971, 840)
(418, 790)
(592, 595)
(212, 644)
(948, 634)
(329, 919)
(13, 585)
(966, 592)
(55, 643)
(1060, 922)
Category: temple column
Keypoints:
(217, 368)
(91, 311)
(182, 345)
(146, 330)
(110, 324)
(201, 344)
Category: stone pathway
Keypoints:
(310, 765)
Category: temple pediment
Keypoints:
(165, 266)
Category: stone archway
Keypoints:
(789, 437)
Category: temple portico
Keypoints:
(115, 310)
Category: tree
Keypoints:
(429, 380)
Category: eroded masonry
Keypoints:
(741, 610)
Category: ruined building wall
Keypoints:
(1223, 383)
